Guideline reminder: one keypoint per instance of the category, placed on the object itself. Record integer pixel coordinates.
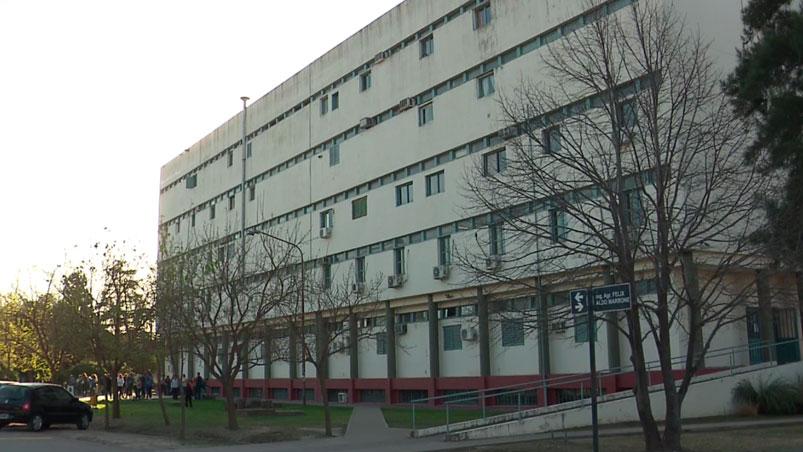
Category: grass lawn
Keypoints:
(769, 439)
(397, 417)
(206, 421)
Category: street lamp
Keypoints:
(303, 334)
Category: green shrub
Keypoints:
(775, 396)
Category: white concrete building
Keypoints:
(365, 152)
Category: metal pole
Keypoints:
(413, 404)
(447, 421)
(242, 193)
(592, 358)
(518, 403)
(483, 403)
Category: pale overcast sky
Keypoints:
(95, 96)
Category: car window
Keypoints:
(13, 394)
(61, 394)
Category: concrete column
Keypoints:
(191, 362)
(434, 349)
(245, 359)
(321, 346)
(354, 368)
(543, 335)
(292, 352)
(485, 347)
(692, 292)
(765, 314)
(267, 352)
(612, 332)
(207, 360)
(390, 337)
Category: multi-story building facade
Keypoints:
(365, 152)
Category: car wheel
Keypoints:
(36, 423)
(83, 422)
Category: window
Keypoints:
(557, 225)
(398, 261)
(451, 338)
(551, 139)
(381, 343)
(634, 210)
(212, 211)
(252, 192)
(482, 15)
(496, 240)
(192, 181)
(326, 271)
(444, 250)
(230, 158)
(248, 149)
(404, 194)
(365, 80)
(512, 332)
(359, 207)
(335, 101)
(334, 154)
(231, 202)
(425, 114)
(178, 225)
(581, 329)
(427, 45)
(486, 85)
(435, 183)
(627, 116)
(494, 162)
(192, 220)
(359, 270)
(324, 105)
(327, 218)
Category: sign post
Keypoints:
(615, 297)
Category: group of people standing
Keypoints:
(188, 387)
(131, 385)
(135, 386)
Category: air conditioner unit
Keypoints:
(325, 233)
(367, 123)
(357, 287)
(558, 327)
(395, 281)
(509, 132)
(440, 272)
(468, 334)
(493, 262)
(401, 328)
(342, 397)
(407, 103)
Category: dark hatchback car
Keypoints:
(40, 405)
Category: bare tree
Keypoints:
(624, 164)
(336, 299)
(227, 290)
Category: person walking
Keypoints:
(174, 386)
(148, 384)
(199, 386)
(188, 392)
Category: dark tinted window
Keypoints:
(13, 394)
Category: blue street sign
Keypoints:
(615, 297)
(579, 301)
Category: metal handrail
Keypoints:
(518, 388)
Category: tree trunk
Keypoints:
(182, 432)
(158, 384)
(652, 437)
(327, 411)
(231, 408)
(113, 381)
(672, 429)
